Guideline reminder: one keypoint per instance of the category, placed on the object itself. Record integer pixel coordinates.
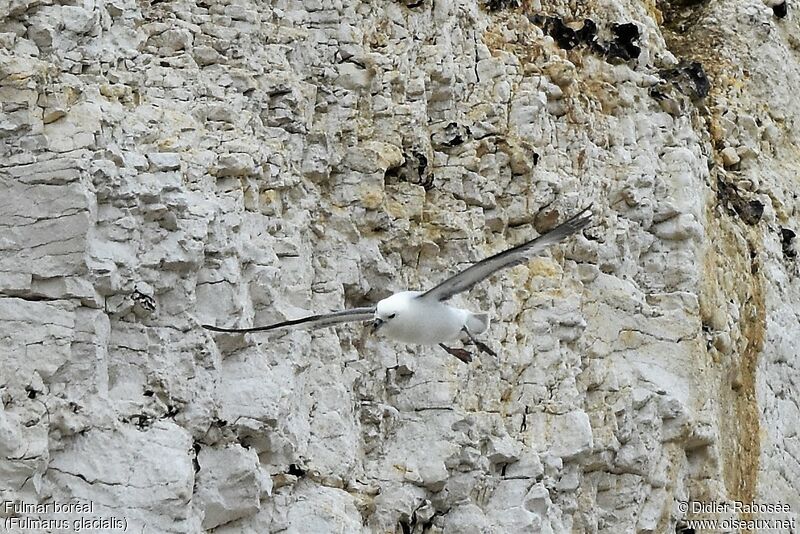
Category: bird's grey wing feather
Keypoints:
(311, 322)
(470, 276)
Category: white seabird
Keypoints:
(423, 317)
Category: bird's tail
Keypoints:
(477, 323)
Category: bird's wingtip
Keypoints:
(582, 218)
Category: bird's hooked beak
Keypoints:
(376, 324)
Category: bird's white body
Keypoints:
(410, 319)
(423, 317)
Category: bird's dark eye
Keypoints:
(392, 316)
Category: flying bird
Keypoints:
(424, 317)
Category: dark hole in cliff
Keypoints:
(422, 163)
(787, 243)
(749, 211)
(698, 77)
(148, 393)
(296, 470)
(455, 141)
(140, 420)
(452, 135)
(195, 462)
(392, 172)
(414, 170)
(706, 328)
(588, 31)
(404, 526)
(752, 212)
(689, 78)
(497, 5)
(657, 92)
(781, 10)
(414, 3)
(565, 37)
(31, 392)
(753, 259)
(535, 158)
(624, 45)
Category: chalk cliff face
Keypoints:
(172, 163)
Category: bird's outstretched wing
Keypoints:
(311, 322)
(508, 258)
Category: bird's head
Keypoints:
(386, 311)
